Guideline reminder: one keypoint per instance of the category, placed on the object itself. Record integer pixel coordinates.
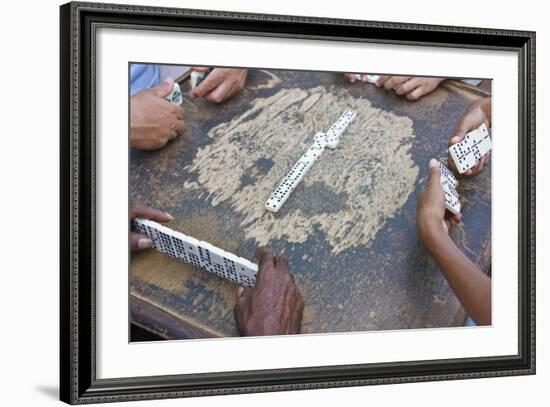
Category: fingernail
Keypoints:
(240, 291)
(168, 79)
(364, 78)
(169, 216)
(145, 243)
(432, 163)
(192, 95)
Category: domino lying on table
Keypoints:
(292, 179)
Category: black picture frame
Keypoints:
(78, 382)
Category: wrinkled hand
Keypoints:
(153, 120)
(478, 112)
(275, 305)
(220, 84)
(431, 216)
(139, 241)
(413, 88)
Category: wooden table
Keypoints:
(349, 228)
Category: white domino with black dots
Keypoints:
(475, 144)
(333, 134)
(293, 178)
(175, 97)
(199, 253)
(448, 184)
(197, 78)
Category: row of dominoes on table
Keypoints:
(321, 140)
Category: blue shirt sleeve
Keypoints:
(143, 76)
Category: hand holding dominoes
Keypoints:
(471, 142)
(199, 253)
(449, 184)
(175, 97)
(155, 116)
(434, 200)
(140, 241)
(275, 305)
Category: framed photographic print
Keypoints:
(257, 203)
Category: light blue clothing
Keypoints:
(143, 76)
(473, 82)
(172, 71)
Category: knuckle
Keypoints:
(216, 99)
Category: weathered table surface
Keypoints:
(349, 227)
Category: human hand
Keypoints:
(275, 305)
(413, 88)
(220, 84)
(153, 120)
(431, 217)
(477, 113)
(139, 241)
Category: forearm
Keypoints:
(471, 286)
(486, 107)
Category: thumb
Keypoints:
(139, 242)
(164, 88)
(434, 172)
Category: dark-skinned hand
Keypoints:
(275, 305)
